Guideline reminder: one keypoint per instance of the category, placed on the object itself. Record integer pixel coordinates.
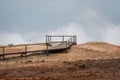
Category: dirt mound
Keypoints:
(91, 50)
(88, 61)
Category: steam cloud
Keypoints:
(91, 26)
(94, 27)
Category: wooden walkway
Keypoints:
(51, 46)
(60, 47)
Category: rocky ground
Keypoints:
(89, 61)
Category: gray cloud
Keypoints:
(26, 21)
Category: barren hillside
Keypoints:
(95, 50)
(88, 61)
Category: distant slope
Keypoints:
(90, 50)
(95, 50)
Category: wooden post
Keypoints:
(24, 53)
(3, 52)
(47, 49)
(46, 38)
(66, 44)
(50, 38)
(62, 38)
(25, 48)
(47, 41)
(74, 40)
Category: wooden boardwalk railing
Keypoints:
(49, 46)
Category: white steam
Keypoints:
(73, 29)
(11, 38)
(94, 27)
(17, 38)
(111, 34)
(91, 26)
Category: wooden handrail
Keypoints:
(72, 40)
(61, 35)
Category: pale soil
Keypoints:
(89, 61)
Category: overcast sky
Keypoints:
(24, 21)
